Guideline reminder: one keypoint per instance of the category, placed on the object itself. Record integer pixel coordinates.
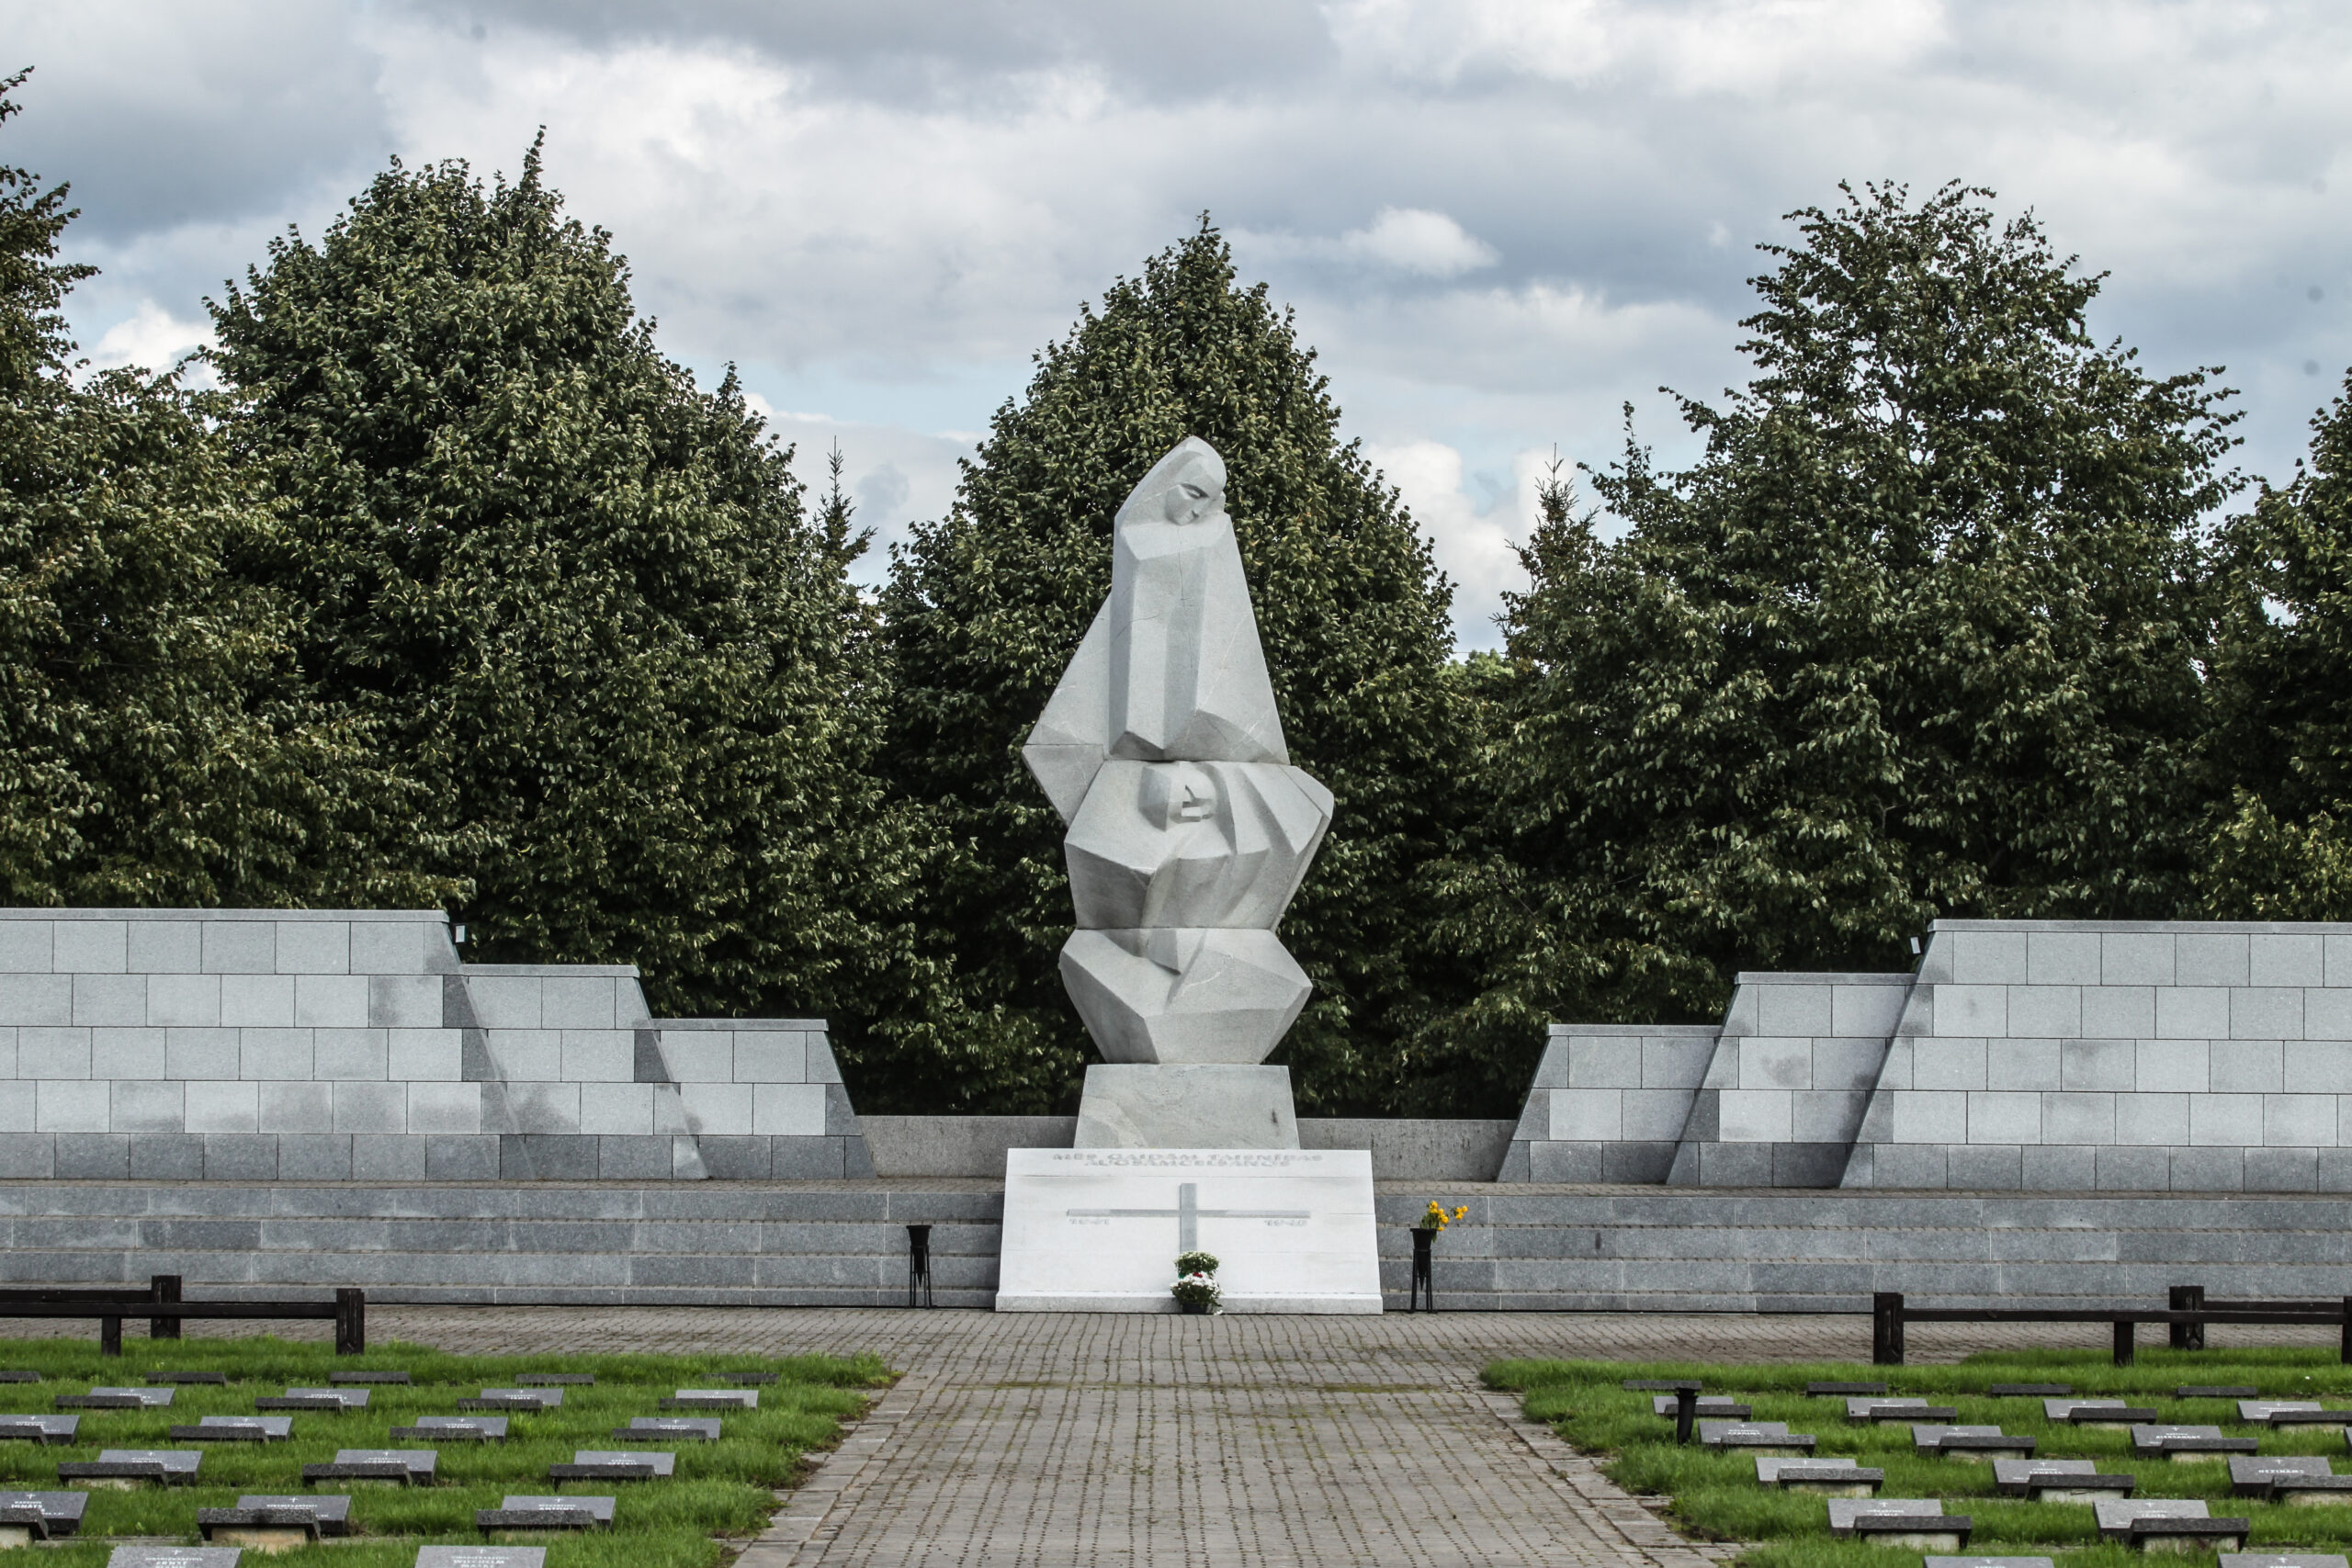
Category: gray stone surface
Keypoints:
(1186, 1107)
(241, 1045)
(1189, 831)
(2057, 1056)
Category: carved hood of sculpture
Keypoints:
(1189, 829)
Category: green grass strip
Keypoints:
(725, 1489)
(1715, 1495)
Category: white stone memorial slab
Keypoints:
(174, 1557)
(481, 1557)
(1098, 1230)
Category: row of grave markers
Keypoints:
(278, 1522)
(1786, 1459)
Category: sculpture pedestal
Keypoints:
(1186, 1107)
(1098, 1230)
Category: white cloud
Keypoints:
(1474, 536)
(1408, 240)
(152, 338)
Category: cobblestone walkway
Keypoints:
(1054, 1441)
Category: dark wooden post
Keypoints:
(919, 1264)
(164, 1288)
(2344, 1352)
(350, 1322)
(2126, 1345)
(2187, 1335)
(1424, 1286)
(1886, 1328)
(110, 1336)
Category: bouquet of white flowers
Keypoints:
(1196, 1288)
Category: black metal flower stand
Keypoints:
(1424, 1298)
(919, 1264)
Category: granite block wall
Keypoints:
(354, 1045)
(1610, 1102)
(2065, 1057)
(1788, 1081)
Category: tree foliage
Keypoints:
(579, 597)
(984, 607)
(157, 743)
(2282, 740)
(1918, 634)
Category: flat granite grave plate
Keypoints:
(457, 1428)
(377, 1378)
(1728, 1409)
(38, 1428)
(1818, 1390)
(1988, 1562)
(337, 1399)
(403, 1467)
(1899, 1521)
(2187, 1444)
(333, 1512)
(1652, 1385)
(2111, 1413)
(117, 1399)
(481, 1557)
(126, 1467)
(1868, 1410)
(651, 1428)
(1971, 1442)
(2216, 1391)
(514, 1399)
(236, 1430)
(20, 1377)
(29, 1517)
(520, 1513)
(760, 1378)
(2018, 1391)
(1767, 1437)
(174, 1557)
(1823, 1477)
(2272, 1560)
(607, 1464)
(2057, 1480)
(713, 1399)
(219, 1380)
(559, 1380)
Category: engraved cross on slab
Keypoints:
(1188, 1214)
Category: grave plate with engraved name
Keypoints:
(29, 1517)
(117, 1399)
(129, 1466)
(38, 1428)
(379, 1378)
(1098, 1230)
(656, 1429)
(335, 1398)
(520, 1513)
(236, 1430)
(609, 1464)
(514, 1399)
(400, 1467)
(174, 1557)
(713, 1399)
(214, 1379)
(481, 1557)
(455, 1428)
(559, 1380)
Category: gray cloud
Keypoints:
(1499, 220)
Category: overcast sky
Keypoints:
(1497, 220)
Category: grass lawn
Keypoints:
(1716, 1495)
(721, 1490)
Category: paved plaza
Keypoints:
(1069, 1440)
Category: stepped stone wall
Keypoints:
(2042, 1056)
(354, 1045)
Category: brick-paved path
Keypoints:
(1068, 1440)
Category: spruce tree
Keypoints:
(158, 745)
(984, 607)
(1918, 636)
(580, 596)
